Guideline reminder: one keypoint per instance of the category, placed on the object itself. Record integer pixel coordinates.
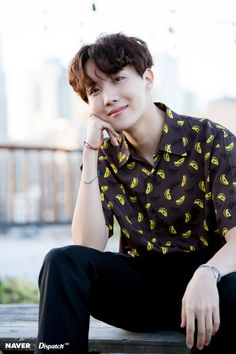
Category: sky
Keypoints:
(200, 34)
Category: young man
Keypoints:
(170, 180)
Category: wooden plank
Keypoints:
(18, 323)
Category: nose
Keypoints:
(110, 95)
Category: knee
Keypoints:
(227, 290)
(61, 257)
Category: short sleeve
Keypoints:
(107, 207)
(223, 180)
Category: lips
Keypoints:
(117, 111)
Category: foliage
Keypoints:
(18, 291)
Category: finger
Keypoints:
(209, 327)
(114, 138)
(183, 317)
(190, 329)
(216, 320)
(201, 330)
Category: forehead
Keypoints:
(93, 73)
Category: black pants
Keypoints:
(138, 294)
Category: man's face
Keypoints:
(121, 98)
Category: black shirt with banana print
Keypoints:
(186, 202)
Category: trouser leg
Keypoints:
(77, 281)
(224, 340)
(137, 294)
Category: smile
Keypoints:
(118, 111)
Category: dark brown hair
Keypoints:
(110, 54)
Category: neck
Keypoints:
(146, 134)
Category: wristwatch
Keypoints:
(216, 271)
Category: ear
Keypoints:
(148, 77)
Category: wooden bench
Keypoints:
(18, 326)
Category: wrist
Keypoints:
(91, 147)
(215, 270)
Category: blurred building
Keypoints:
(3, 102)
(56, 114)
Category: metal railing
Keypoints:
(38, 184)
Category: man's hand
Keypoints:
(200, 308)
(95, 129)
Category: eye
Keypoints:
(118, 78)
(93, 91)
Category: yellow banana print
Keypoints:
(184, 180)
(165, 128)
(198, 148)
(207, 155)
(202, 186)
(163, 211)
(172, 230)
(110, 205)
(185, 141)
(168, 148)
(169, 113)
(194, 165)
(214, 160)
(167, 157)
(133, 199)
(181, 200)
(208, 196)
(152, 224)
(196, 128)
(167, 194)
(205, 225)
(224, 180)
(114, 168)
(199, 202)
(161, 173)
(131, 165)
(226, 213)
(105, 144)
(125, 232)
(187, 234)
(164, 250)
(149, 188)
(121, 156)
(149, 246)
(134, 182)
(187, 217)
(179, 162)
(210, 139)
(122, 188)
(221, 196)
(104, 188)
(140, 217)
(203, 240)
(107, 172)
(121, 199)
(230, 147)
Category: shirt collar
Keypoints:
(171, 141)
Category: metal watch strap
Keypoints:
(216, 271)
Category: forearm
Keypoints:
(225, 258)
(88, 224)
